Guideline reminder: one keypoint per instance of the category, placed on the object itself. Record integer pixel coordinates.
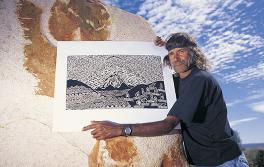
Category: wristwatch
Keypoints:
(127, 130)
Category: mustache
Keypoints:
(180, 61)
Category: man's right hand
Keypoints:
(159, 42)
(102, 130)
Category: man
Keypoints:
(200, 109)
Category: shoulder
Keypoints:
(202, 77)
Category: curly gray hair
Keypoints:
(183, 40)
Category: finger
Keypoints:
(99, 136)
(109, 135)
(96, 137)
(157, 39)
(99, 122)
(156, 42)
(102, 137)
(96, 123)
(85, 128)
(96, 131)
(159, 43)
(88, 127)
(92, 126)
(96, 134)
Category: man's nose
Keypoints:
(176, 58)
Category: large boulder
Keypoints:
(29, 34)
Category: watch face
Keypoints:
(127, 131)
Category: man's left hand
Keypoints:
(102, 130)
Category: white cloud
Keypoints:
(222, 49)
(252, 72)
(241, 121)
(235, 102)
(172, 16)
(216, 20)
(253, 96)
(258, 107)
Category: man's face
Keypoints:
(179, 59)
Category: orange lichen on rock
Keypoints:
(40, 56)
(121, 149)
(91, 19)
(175, 157)
(93, 156)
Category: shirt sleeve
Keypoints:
(189, 100)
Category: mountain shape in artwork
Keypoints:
(73, 83)
(114, 82)
(123, 86)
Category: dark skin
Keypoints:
(102, 130)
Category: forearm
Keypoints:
(105, 129)
(154, 128)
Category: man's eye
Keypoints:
(181, 52)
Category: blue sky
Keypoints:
(231, 33)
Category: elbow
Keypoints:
(169, 126)
(170, 123)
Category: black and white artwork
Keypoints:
(119, 81)
(115, 81)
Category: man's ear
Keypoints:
(166, 61)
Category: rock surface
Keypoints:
(29, 33)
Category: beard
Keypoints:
(182, 65)
(180, 68)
